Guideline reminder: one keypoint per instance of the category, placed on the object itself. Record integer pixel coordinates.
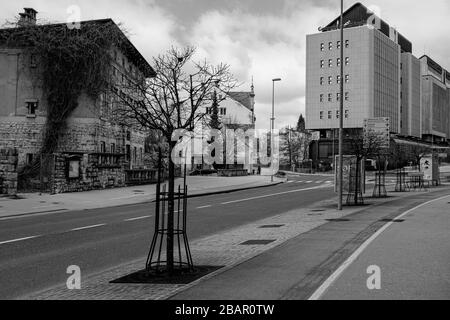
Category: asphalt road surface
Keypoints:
(36, 250)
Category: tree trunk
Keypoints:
(170, 214)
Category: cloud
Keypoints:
(265, 47)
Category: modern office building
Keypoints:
(382, 78)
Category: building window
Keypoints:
(322, 46)
(338, 96)
(128, 135)
(338, 62)
(102, 147)
(337, 114)
(347, 96)
(347, 61)
(347, 78)
(135, 154)
(338, 79)
(330, 80)
(330, 45)
(322, 64)
(338, 44)
(321, 97)
(321, 81)
(32, 107)
(223, 111)
(330, 63)
(330, 97)
(329, 115)
(113, 148)
(321, 115)
(347, 43)
(346, 114)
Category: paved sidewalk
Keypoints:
(33, 203)
(250, 271)
(296, 268)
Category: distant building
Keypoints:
(382, 78)
(236, 110)
(103, 147)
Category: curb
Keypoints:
(198, 195)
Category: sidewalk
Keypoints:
(33, 203)
(304, 250)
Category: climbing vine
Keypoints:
(70, 62)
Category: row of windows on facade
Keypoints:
(338, 62)
(330, 114)
(124, 64)
(338, 97)
(330, 45)
(338, 80)
(222, 111)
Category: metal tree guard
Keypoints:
(355, 196)
(400, 185)
(155, 261)
(379, 190)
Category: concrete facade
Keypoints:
(371, 78)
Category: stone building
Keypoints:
(95, 151)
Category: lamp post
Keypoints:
(341, 111)
(272, 127)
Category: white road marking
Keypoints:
(308, 181)
(290, 182)
(17, 240)
(272, 195)
(336, 274)
(328, 181)
(203, 207)
(137, 218)
(319, 181)
(89, 227)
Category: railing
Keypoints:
(232, 172)
(141, 176)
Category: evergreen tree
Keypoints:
(214, 122)
(301, 126)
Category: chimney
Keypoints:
(28, 17)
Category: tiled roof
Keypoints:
(244, 98)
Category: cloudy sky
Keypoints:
(260, 38)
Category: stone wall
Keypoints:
(95, 171)
(8, 171)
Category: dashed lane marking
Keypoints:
(17, 240)
(203, 207)
(89, 227)
(137, 218)
(271, 195)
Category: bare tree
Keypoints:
(294, 145)
(362, 146)
(173, 100)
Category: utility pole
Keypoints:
(341, 112)
(272, 127)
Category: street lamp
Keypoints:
(272, 127)
(341, 111)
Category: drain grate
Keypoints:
(270, 226)
(256, 242)
(337, 220)
(392, 220)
